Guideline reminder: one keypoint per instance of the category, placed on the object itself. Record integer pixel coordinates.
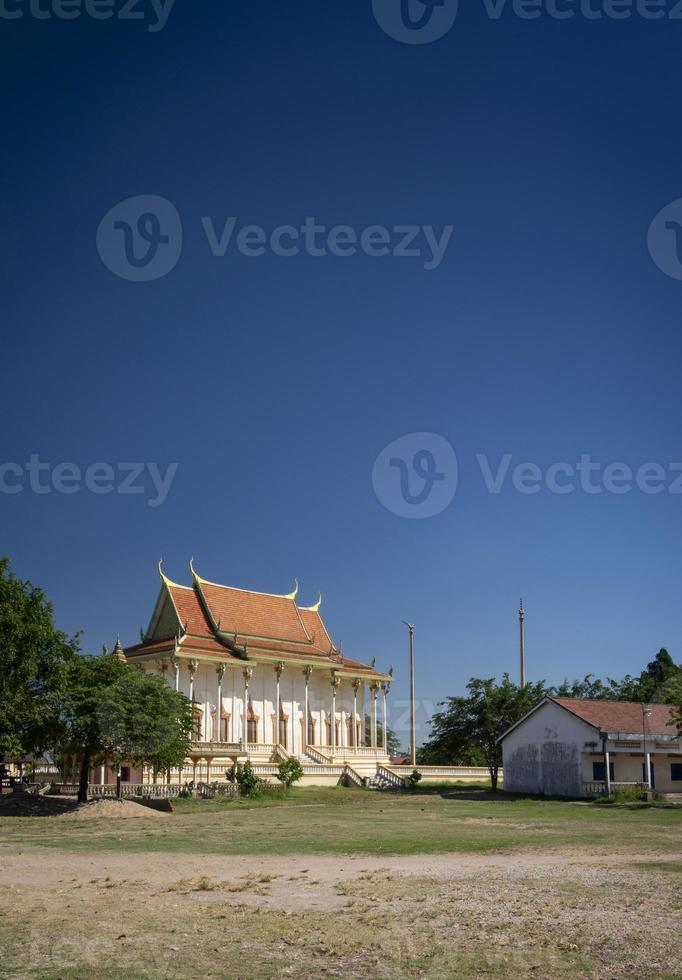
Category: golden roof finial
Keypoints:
(195, 575)
(164, 578)
(316, 606)
(292, 595)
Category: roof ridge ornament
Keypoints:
(315, 607)
(165, 579)
(195, 574)
(292, 595)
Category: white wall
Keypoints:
(544, 753)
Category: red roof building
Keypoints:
(571, 747)
(264, 676)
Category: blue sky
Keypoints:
(546, 332)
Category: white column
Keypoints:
(176, 665)
(373, 708)
(332, 727)
(648, 769)
(607, 770)
(307, 671)
(234, 736)
(248, 673)
(217, 734)
(356, 685)
(278, 709)
(384, 717)
(192, 668)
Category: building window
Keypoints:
(224, 723)
(599, 772)
(283, 731)
(311, 730)
(252, 730)
(676, 772)
(125, 774)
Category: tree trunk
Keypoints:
(84, 777)
(493, 778)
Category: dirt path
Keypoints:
(305, 881)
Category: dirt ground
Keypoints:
(449, 915)
(29, 805)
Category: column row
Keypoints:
(344, 728)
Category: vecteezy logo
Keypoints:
(416, 476)
(415, 21)
(665, 239)
(140, 239)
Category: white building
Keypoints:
(266, 682)
(571, 747)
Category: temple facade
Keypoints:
(266, 681)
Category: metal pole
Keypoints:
(413, 724)
(646, 712)
(522, 641)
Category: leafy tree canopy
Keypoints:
(34, 657)
(111, 710)
(466, 731)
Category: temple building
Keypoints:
(266, 681)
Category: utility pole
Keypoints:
(646, 768)
(413, 725)
(522, 642)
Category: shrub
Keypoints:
(246, 777)
(414, 777)
(628, 794)
(289, 772)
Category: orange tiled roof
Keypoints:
(622, 716)
(209, 619)
(254, 613)
(190, 611)
(316, 629)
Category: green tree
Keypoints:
(471, 725)
(249, 782)
(145, 722)
(393, 742)
(289, 771)
(34, 657)
(589, 687)
(112, 711)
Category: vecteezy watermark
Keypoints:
(341, 241)
(416, 476)
(153, 13)
(423, 21)
(140, 239)
(100, 478)
(415, 21)
(665, 239)
(585, 475)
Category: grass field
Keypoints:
(336, 882)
